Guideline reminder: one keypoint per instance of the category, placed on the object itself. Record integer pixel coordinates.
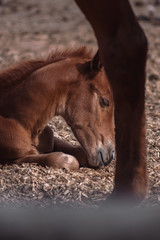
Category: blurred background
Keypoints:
(35, 27)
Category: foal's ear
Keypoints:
(96, 63)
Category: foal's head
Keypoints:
(90, 112)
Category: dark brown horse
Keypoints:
(70, 84)
(123, 49)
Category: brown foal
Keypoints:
(71, 84)
(123, 49)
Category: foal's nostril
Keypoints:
(112, 155)
(101, 157)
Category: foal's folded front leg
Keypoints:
(76, 151)
(55, 160)
(48, 143)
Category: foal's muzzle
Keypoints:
(104, 157)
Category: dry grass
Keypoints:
(28, 185)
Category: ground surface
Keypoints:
(32, 29)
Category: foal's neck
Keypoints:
(55, 83)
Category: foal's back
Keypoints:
(35, 96)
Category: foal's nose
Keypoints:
(105, 156)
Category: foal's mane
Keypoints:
(14, 75)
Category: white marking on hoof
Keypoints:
(70, 159)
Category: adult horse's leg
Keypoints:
(123, 48)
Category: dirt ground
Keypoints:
(32, 29)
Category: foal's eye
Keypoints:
(104, 102)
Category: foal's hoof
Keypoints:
(68, 162)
